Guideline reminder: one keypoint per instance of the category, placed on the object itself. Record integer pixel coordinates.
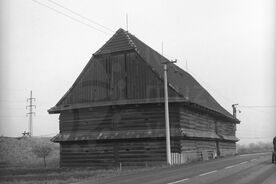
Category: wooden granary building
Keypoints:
(114, 112)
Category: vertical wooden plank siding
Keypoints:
(117, 77)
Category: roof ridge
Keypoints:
(112, 39)
(129, 39)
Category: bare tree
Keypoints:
(42, 151)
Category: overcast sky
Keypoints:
(229, 46)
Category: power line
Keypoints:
(265, 111)
(258, 106)
(78, 14)
(72, 18)
(11, 117)
(11, 101)
(39, 117)
(216, 91)
(255, 137)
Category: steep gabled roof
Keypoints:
(179, 80)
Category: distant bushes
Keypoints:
(19, 152)
(254, 148)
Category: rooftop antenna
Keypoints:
(186, 65)
(127, 22)
(162, 48)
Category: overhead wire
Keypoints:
(223, 96)
(227, 98)
(213, 89)
(78, 14)
(257, 106)
(266, 137)
(72, 18)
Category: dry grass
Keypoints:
(18, 152)
(62, 175)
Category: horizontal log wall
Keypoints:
(193, 150)
(190, 119)
(108, 154)
(197, 149)
(128, 117)
(116, 77)
(142, 153)
(196, 121)
(139, 151)
(227, 148)
(86, 154)
(226, 128)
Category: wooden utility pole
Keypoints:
(167, 119)
(30, 113)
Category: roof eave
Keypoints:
(56, 109)
(113, 53)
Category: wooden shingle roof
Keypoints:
(182, 82)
